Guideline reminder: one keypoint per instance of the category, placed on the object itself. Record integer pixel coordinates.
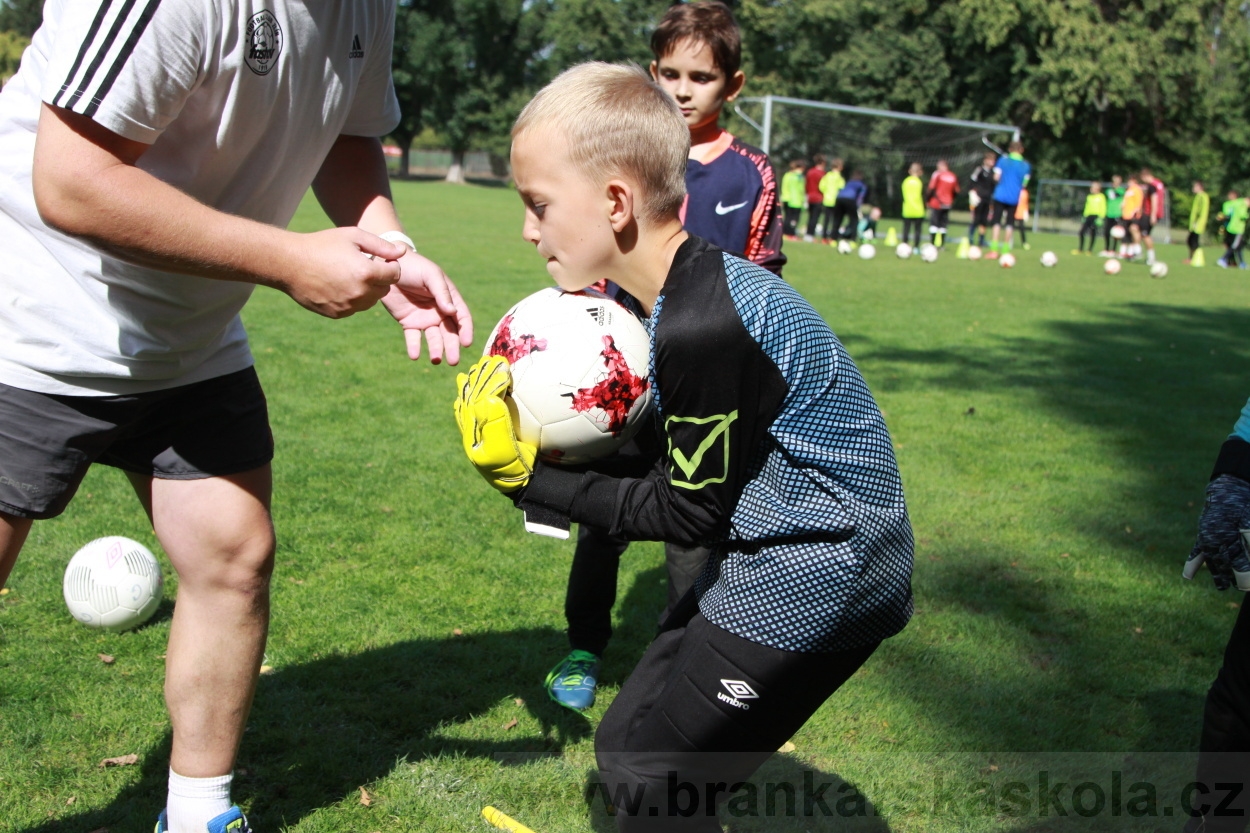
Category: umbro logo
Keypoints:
(721, 208)
(357, 50)
(738, 691)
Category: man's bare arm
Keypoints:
(87, 184)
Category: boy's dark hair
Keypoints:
(1015, 147)
(708, 22)
(818, 159)
(797, 163)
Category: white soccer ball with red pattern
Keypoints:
(580, 373)
(113, 583)
(1111, 267)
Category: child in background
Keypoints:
(913, 203)
(1094, 215)
(943, 186)
(1226, 212)
(1011, 178)
(1115, 211)
(1154, 203)
(1199, 213)
(1022, 219)
(830, 184)
(981, 198)
(868, 224)
(793, 195)
(846, 208)
(772, 452)
(1134, 198)
(1238, 213)
(815, 199)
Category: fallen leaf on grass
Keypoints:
(511, 724)
(457, 632)
(121, 760)
(71, 800)
(518, 701)
(4, 591)
(788, 746)
(105, 658)
(266, 669)
(365, 798)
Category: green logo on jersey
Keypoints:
(703, 433)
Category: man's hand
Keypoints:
(426, 301)
(333, 278)
(1221, 528)
(485, 423)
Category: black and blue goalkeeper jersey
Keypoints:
(773, 452)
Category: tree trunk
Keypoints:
(404, 151)
(456, 172)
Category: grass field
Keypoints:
(1055, 429)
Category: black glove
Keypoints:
(1222, 532)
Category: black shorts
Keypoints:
(212, 428)
(981, 214)
(1144, 224)
(1003, 213)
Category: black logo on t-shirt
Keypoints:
(264, 42)
(357, 50)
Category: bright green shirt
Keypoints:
(1238, 212)
(1115, 202)
(1096, 205)
(1200, 212)
(913, 198)
(830, 184)
(793, 190)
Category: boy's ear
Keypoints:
(621, 204)
(654, 69)
(733, 87)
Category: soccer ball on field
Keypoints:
(113, 583)
(1049, 259)
(903, 250)
(1117, 231)
(868, 234)
(845, 247)
(580, 364)
(928, 253)
(1159, 270)
(1111, 267)
(974, 253)
(867, 251)
(1007, 261)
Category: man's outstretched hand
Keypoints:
(425, 301)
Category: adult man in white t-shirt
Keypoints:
(151, 155)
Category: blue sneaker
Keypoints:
(572, 682)
(231, 821)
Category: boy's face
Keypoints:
(690, 75)
(566, 215)
(1115, 180)
(1095, 188)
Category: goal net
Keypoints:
(881, 144)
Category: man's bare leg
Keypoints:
(219, 537)
(13, 532)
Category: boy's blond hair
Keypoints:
(617, 122)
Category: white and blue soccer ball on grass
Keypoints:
(902, 251)
(1159, 270)
(1049, 259)
(113, 583)
(580, 373)
(929, 253)
(867, 251)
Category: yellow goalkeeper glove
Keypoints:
(486, 429)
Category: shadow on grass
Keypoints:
(321, 729)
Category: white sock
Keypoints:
(193, 802)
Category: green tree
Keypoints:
(21, 16)
(12, 45)
(491, 51)
(421, 67)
